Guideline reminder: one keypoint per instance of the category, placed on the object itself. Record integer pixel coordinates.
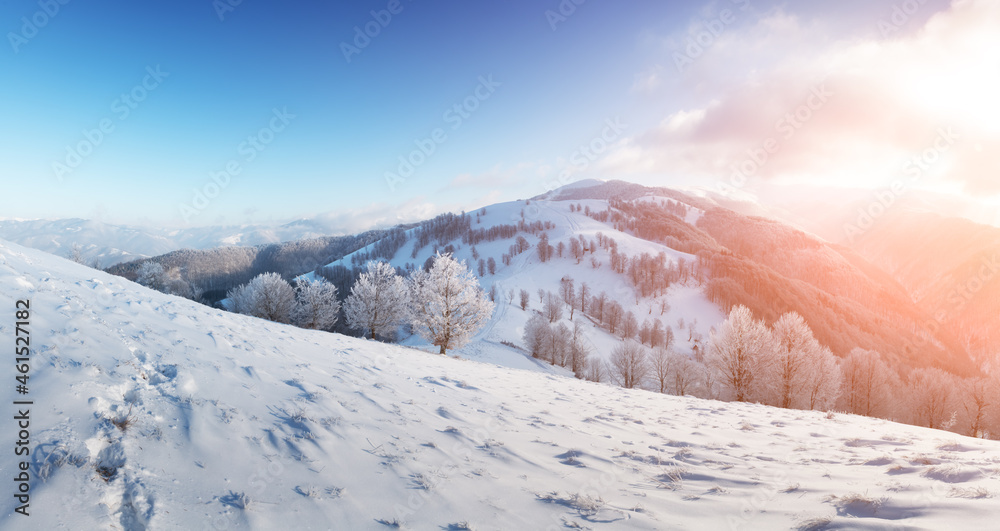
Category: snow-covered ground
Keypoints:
(526, 271)
(237, 423)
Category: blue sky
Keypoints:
(227, 75)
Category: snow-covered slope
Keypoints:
(526, 271)
(236, 423)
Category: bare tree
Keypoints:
(630, 325)
(646, 333)
(568, 293)
(931, 397)
(824, 382)
(684, 372)
(525, 299)
(867, 383)
(553, 308)
(657, 335)
(559, 345)
(76, 253)
(536, 335)
(578, 351)
(576, 250)
(597, 306)
(659, 364)
(613, 314)
(582, 295)
(978, 395)
(629, 366)
(596, 371)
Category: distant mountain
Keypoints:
(107, 244)
(951, 266)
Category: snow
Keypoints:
(528, 272)
(239, 423)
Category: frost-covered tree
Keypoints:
(559, 345)
(630, 325)
(684, 373)
(568, 292)
(582, 297)
(979, 399)
(795, 351)
(868, 381)
(597, 305)
(646, 333)
(595, 370)
(578, 351)
(151, 274)
(576, 250)
(659, 365)
(613, 314)
(76, 254)
(316, 305)
(658, 335)
(379, 300)
(553, 308)
(824, 383)
(267, 296)
(536, 335)
(931, 397)
(240, 300)
(628, 364)
(449, 306)
(525, 299)
(544, 249)
(741, 355)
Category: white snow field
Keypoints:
(229, 422)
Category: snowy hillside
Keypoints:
(526, 271)
(152, 412)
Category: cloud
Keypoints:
(851, 112)
(496, 177)
(648, 81)
(376, 215)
